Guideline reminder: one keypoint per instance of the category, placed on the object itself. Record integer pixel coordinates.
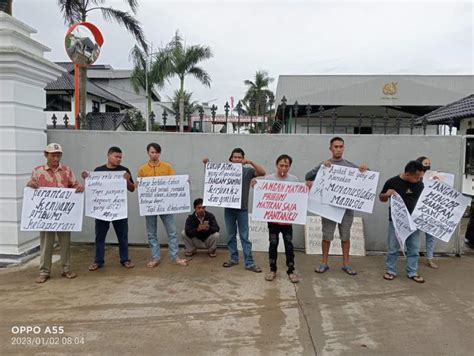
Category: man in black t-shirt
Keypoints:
(408, 186)
(114, 158)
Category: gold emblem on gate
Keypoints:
(390, 88)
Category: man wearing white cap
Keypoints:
(54, 174)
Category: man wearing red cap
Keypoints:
(54, 174)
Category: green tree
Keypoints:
(77, 11)
(258, 97)
(184, 61)
(154, 68)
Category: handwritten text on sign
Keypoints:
(401, 219)
(52, 209)
(106, 196)
(277, 201)
(439, 210)
(223, 185)
(164, 195)
(315, 199)
(314, 237)
(347, 187)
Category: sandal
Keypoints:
(254, 268)
(322, 268)
(69, 275)
(128, 264)
(153, 263)
(293, 278)
(229, 263)
(431, 264)
(212, 253)
(348, 269)
(94, 267)
(42, 278)
(417, 279)
(181, 262)
(270, 276)
(389, 276)
(191, 253)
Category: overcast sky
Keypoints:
(283, 37)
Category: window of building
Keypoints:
(95, 106)
(109, 108)
(58, 102)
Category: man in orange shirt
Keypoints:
(54, 174)
(155, 168)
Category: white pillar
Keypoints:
(24, 72)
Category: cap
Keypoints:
(53, 147)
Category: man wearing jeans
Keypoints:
(114, 158)
(239, 218)
(54, 174)
(408, 186)
(155, 168)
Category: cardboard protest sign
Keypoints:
(447, 178)
(347, 187)
(439, 210)
(314, 237)
(401, 219)
(223, 185)
(315, 199)
(280, 201)
(52, 209)
(258, 236)
(106, 195)
(164, 195)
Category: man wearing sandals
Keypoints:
(114, 158)
(336, 146)
(201, 231)
(155, 168)
(283, 164)
(408, 186)
(54, 174)
(240, 217)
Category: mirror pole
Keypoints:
(76, 96)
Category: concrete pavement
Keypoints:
(206, 309)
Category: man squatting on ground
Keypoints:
(201, 231)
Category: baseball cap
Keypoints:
(53, 147)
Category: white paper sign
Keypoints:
(223, 185)
(280, 201)
(401, 219)
(164, 195)
(447, 178)
(314, 237)
(258, 236)
(106, 195)
(347, 187)
(52, 209)
(439, 210)
(315, 199)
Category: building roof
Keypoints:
(373, 90)
(108, 121)
(455, 111)
(66, 82)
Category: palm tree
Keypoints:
(258, 96)
(184, 60)
(149, 72)
(77, 11)
(190, 106)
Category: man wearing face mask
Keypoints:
(408, 185)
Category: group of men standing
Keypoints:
(202, 230)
